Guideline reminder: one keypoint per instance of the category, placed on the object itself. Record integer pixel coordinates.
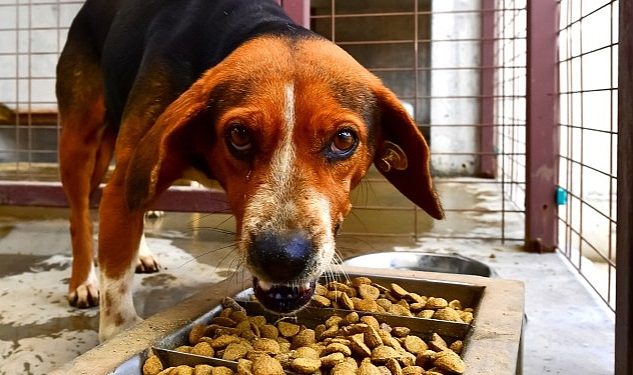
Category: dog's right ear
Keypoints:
(167, 149)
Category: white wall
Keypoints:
(446, 52)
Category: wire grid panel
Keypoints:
(588, 131)
(431, 54)
(510, 96)
(31, 37)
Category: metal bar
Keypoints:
(542, 119)
(298, 10)
(624, 234)
(488, 165)
(50, 194)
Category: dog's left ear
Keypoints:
(167, 149)
(402, 154)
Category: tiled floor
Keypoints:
(568, 331)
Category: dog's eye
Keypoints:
(343, 143)
(239, 138)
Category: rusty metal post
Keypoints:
(298, 10)
(542, 137)
(487, 144)
(624, 247)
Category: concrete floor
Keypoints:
(569, 330)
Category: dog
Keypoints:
(227, 90)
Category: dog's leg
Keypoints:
(85, 150)
(120, 232)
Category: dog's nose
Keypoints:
(282, 258)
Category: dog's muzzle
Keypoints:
(286, 267)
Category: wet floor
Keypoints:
(568, 331)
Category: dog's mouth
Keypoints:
(282, 298)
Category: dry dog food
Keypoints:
(362, 294)
(339, 346)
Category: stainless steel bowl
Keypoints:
(419, 261)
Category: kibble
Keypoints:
(341, 345)
(362, 294)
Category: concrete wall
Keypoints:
(454, 92)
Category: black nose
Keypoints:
(281, 258)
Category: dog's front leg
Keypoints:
(120, 232)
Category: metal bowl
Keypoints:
(418, 261)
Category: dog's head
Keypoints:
(288, 128)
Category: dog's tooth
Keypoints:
(264, 285)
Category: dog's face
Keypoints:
(288, 129)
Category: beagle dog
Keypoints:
(226, 90)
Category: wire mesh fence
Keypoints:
(588, 131)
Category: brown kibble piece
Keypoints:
(360, 280)
(305, 337)
(306, 352)
(344, 368)
(382, 353)
(336, 347)
(351, 318)
(196, 333)
(346, 302)
(466, 316)
(269, 331)
(437, 343)
(455, 304)
(449, 361)
(370, 321)
(269, 346)
(372, 337)
(415, 298)
(305, 365)
(320, 290)
(414, 344)
(398, 291)
(435, 303)
(203, 348)
(152, 365)
(258, 320)
(178, 370)
(224, 321)
(219, 370)
(244, 367)
(321, 301)
(204, 369)
(367, 291)
(384, 303)
(393, 366)
(417, 306)
(457, 346)
(426, 314)
(412, 370)
(366, 305)
(265, 365)
(358, 346)
(397, 309)
(235, 351)
(223, 341)
(400, 331)
(448, 314)
(287, 329)
(332, 359)
(368, 368)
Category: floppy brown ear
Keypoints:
(166, 150)
(402, 155)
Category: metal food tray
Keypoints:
(492, 341)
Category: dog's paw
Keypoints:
(146, 263)
(84, 296)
